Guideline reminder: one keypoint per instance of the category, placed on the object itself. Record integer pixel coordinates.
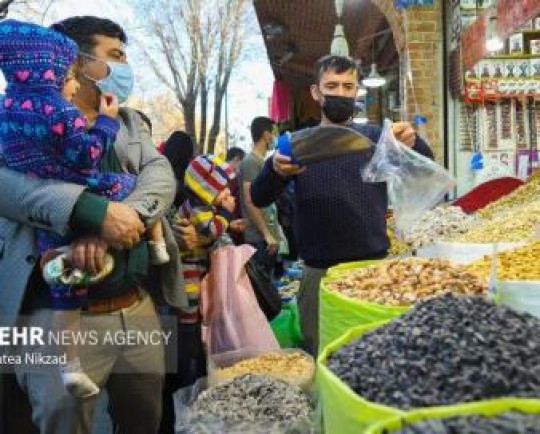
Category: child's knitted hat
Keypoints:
(207, 176)
(34, 55)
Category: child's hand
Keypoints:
(238, 225)
(109, 105)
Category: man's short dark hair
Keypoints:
(84, 29)
(338, 64)
(259, 126)
(235, 152)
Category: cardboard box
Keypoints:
(516, 43)
(535, 46)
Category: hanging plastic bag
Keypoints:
(232, 319)
(415, 183)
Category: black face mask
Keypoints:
(338, 109)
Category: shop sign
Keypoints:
(512, 15)
(404, 4)
(473, 42)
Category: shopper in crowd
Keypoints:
(338, 217)
(234, 158)
(179, 150)
(262, 230)
(58, 146)
(132, 376)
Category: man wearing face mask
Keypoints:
(338, 217)
(262, 224)
(133, 373)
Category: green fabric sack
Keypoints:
(491, 407)
(338, 313)
(344, 412)
(286, 326)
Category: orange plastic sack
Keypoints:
(232, 319)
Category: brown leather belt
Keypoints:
(108, 305)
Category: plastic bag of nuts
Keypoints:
(291, 365)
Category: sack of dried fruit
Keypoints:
(366, 292)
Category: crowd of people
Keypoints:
(101, 231)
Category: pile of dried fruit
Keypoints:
(252, 398)
(445, 350)
(507, 423)
(403, 282)
(437, 224)
(518, 264)
(295, 367)
(517, 224)
(397, 246)
(523, 195)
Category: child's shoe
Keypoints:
(76, 381)
(59, 271)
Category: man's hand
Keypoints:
(122, 226)
(405, 133)
(238, 225)
(283, 166)
(186, 235)
(88, 253)
(272, 244)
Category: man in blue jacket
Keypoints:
(338, 217)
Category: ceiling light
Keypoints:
(339, 46)
(374, 79)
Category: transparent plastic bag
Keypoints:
(302, 376)
(415, 183)
(189, 421)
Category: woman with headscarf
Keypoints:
(179, 150)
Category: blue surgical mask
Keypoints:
(119, 81)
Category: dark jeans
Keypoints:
(191, 365)
(264, 259)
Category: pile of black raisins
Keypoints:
(507, 423)
(445, 350)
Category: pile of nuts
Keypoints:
(252, 400)
(507, 423)
(437, 224)
(518, 264)
(295, 367)
(403, 282)
(523, 195)
(445, 350)
(517, 224)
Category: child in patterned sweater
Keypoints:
(209, 208)
(43, 134)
